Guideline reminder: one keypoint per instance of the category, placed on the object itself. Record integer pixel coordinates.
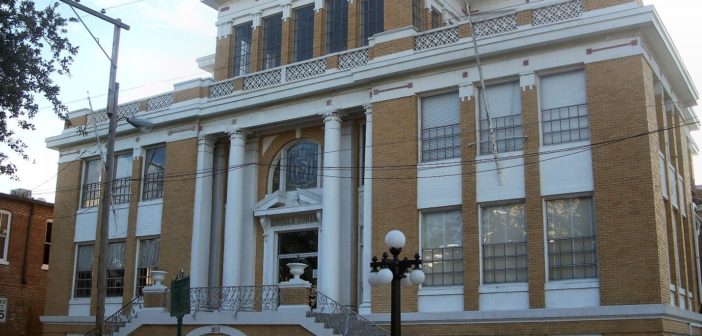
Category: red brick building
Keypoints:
(25, 240)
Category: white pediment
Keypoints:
(278, 203)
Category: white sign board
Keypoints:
(3, 310)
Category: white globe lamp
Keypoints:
(395, 239)
(385, 276)
(417, 276)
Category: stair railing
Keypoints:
(124, 315)
(342, 319)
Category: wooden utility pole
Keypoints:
(106, 196)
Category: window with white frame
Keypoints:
(90, 194)
(572, 247)
(503, 129)
(441, 127)
(47, 242)
(272, 39)
(372, 19)
(147, 262)
(243, 39)
(83, 278)
(504, 246)
(442, 248)
(300, 244)
(154, 172)
(303, 35)
(418, 15)
(296, 167)
(115, 269)
(337, 25)
(564, 112)
(122, 181)
(5, 225)
(436, 20)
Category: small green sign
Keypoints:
(180, 297)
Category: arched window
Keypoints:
(296, 167)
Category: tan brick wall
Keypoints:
(286, 47)
(223, 58)
(77, 121)
(188, 94)
(524, 17)
(391, 47)
(395, 191)
(130, 249)
(59, 281)
(294, 296)
(178, 200)
(398, 14)
(332, 62)
(354, 25)
(597, 4)
(320, 28)
(533, 202)
(238, 84)
(664, 211)
(257, 39)
(464, 31)
(630, 269)
(469, 210)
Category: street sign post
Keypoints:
(180, 298)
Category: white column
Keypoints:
(365, 306)
(331, 208)
(202, 214)
(233, 217)
(219, 189)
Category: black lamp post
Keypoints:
(397, 272)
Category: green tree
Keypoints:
(33, 46)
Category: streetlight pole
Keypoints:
(105, 200)
(397, 272)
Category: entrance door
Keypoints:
(298, 244)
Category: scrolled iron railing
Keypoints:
(234, 298)
(120, 318)
(342, 319)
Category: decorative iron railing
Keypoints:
(436, 38)
(352, 59)
(159, 102)
(495, 26)
(340, 318)
(235, 298)
(223, 88)
(119, 319)
(439, 143)
(557, 12)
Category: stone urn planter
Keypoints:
(297, 269)
(158, 277)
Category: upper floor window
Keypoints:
(47, 242)
(442, 248)
(90, 194)
(337, 25)
(272, 37)
(435, 18)
(418, 14)
(147, 261)
(440, 127)
(572, 251)
(154, 171)
(122, 182)
(5, 224)
(83, 278)
(503, 130)
(296, 167)
(564, 113)
(304, 33)
(504, 244)
(242, 49)
(372, 19)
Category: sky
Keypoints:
(160, 49)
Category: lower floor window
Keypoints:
(296, 245)
(84, 271)
(572, 248)
(442, 250)
(504, 244)
(147, 262)
(115, 269)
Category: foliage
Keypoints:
(32, 48)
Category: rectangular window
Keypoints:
(337, 25)
(90, 195)
(147, 262)
(122, 182)
(503, 130)
(5, 223)
(242, 49)
(304, 33)
(84, 271)
(372, 19)
(154, 171)
(564, 116)
(47, 243)
(298, 244)
(442, 250)
(441, 130)
(435, 18)
(418, 15)
(272, 37)
(115, 269)
(504, 244)
(572, 252)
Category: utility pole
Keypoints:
(106, 196)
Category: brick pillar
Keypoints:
(668, 271)
(597, 4)
(524, 17)
(130, 247)
(427, 18)
(684, 224)
(395, 122)
(469, 210)
(59, 279)
(533, 202)
(257, 39)
(286, 48)
(320, 28)
(223, 58)
(354, 30)
(294, 295)
(397, 14)
(628, 241)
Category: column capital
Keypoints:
(239, 133)
(205, 140)
(333, 116)
(368, 108)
